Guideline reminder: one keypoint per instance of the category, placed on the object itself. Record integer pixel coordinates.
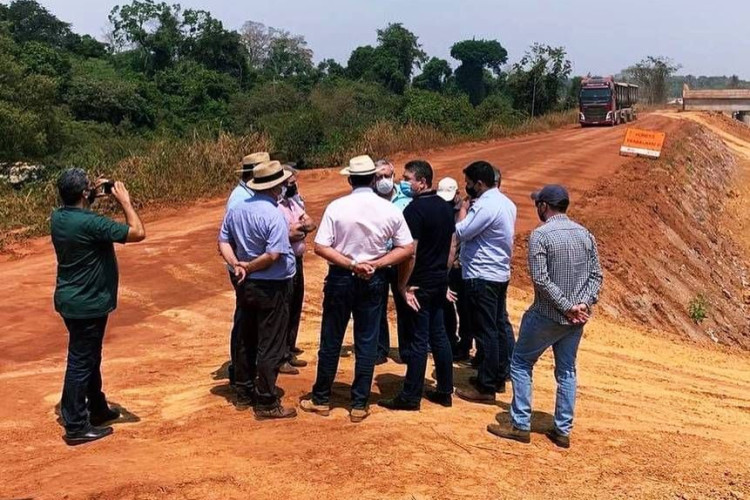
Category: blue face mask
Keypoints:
(406, 189)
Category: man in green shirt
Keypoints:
(85, 294)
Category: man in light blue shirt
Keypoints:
(254, 241)
(486, 233)
(240, 193)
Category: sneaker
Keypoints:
(288, 369)
(86, 435)
(398, 403)
(473, 395)
(99, 419)
(358, 414)
(439, 398)
(561, 440)
(277, 411)
(299, 363)
(511, 432)
(309, 406)
(499, 386)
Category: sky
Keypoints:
(706, 37)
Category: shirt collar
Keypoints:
(362, 189)
(265, 197)
(424, 194)
(556, 218)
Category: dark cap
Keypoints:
(551, 194)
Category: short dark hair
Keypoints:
(561, 207)
(71, 184)
(362, 180)
(481, 171)
(421, 170)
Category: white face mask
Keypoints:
(384, 185)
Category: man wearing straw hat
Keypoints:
(353, 238)
(241, 193)
(254, 240)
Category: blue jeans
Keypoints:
(346, 295)
(537, 333)
(384, 338)
(426, 327)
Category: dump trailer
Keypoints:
(603, 101)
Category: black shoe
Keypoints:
(245, 398)
(560, 440)
(86, 435)
(381, 360)
(398, 404)
(511, 432)
(98, 419)
(499, 386)
(439, 398)
(230, 374)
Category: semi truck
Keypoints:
(603, 101)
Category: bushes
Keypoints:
(446, 113)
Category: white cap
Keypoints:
(447, 188)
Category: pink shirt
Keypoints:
(293, 210)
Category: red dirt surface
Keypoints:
(656, 418)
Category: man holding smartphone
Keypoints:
(86, 293)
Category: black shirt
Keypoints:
(431, 222)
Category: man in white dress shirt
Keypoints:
(353, 237)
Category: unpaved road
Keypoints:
(656, 419)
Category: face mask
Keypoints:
(291, 191)
(471, 191)
(406, 189)
(385, 185)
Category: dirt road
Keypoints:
(655, 418)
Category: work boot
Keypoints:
(275, 412)
(288, 369)
(473, 395)
(100, 418)
(86, 435)
(358, 414)
(309, 406)
(558, 438)
(398, 403)
(439, 398)
(499, 386)
(296, 362)
(511, 432)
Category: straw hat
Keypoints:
(267, 175)
(249, 161)
(360, 165)
(447, 188)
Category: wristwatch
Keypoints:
(353, 264)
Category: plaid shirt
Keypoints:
(565, 269)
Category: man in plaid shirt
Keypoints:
(564, 265)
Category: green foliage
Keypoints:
(652, 74)
(402, 45)
(447, 113)
(435, 75)
(475, 57)
(698, 309)
(498, 108)
(538, 80)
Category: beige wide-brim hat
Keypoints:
(249, 161)
(267, 175)
(360, 165)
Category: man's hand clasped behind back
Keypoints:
(578, 314)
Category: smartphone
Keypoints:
(107, 187)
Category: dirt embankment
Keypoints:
(664, 229)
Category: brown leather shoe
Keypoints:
(288, 369)
(309, 406)
(358, 414)
(277, 411)
(299, 363)
(561, 440)
(473, 395)
(511, 432)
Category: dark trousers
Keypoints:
(235, 333)
(346, 295)
(459, 332)
(384, 338)
(426, 328)
(295, 308)
(262, 340)
(82, 390)
(486, 300)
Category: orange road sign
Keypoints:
(642, 143)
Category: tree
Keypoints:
(374, 64)
(652, 74)
(207, 42)
(30, 22)
(574, 90)
(435, 75)
(475, 56)
(331, 68)
(276, 53)
(538, 79)
(401, 44)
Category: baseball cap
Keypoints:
(447, 188)
(552, 194)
